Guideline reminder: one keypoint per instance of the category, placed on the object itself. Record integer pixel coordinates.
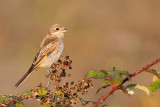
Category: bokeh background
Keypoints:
(102, 34)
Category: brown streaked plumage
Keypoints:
(50, 50)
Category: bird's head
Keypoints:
(57, 30)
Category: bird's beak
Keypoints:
(65, 30)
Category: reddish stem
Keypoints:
(125, 80)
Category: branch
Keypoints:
(125, 80)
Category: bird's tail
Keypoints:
(25, 76)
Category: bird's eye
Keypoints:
(57, 29)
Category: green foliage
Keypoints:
(48, 105)
(155, 86)
(124, 73)
(86, 102)
(96, 74)
(19, 105)
(130, 86)
(156, 81)
(115, 79)
(42, 91)
(112, 77)
(9, 100)
(154, 72)
(106, 82)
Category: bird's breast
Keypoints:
(53, 57)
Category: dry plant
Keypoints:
(68, 94)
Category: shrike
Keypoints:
(51, 49)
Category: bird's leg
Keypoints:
(50, 74)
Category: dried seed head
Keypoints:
(69, 75)
(59, 61)
(65, 63)
(63, 74)
(54, 71)
(72, 83)
(70, 67)
(67, 57)
(70, 61)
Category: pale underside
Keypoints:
(53, 57)
(50, 51)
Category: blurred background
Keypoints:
(102, 34)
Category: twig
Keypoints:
(125, 80)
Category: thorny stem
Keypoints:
(125, 80)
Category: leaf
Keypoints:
(141, 87)
(154, 72)
(14, 97)
(106, 81)
(110, 70)
(155, 78)
(19, 105)
(47, 105)
(2, 98)
(124, 73)
(42, 91)
(154, 86)
(130, 86)
(144, 88)
(12, 105)
(86, 102)
(104, 86)
(27, 92)
(96, 74)
(116, 79)
(3, 105)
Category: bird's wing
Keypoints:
(47, 47)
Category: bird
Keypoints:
(50, 50)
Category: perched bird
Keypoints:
(51, 49)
